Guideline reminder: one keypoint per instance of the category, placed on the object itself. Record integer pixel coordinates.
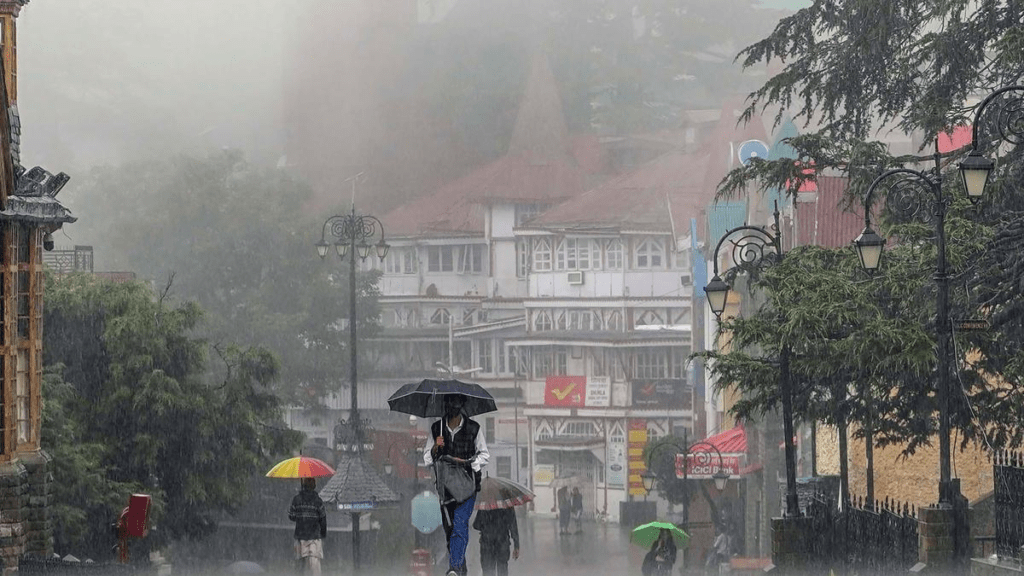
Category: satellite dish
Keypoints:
(752, 149)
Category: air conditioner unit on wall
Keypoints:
(575, 277)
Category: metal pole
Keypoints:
(354, 412)
(943, 329)
(792, 502)
(686, 477)
(516, 418)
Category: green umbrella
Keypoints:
(646, 535)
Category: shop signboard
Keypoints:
(663, 393)
(599, 392)
(565, 391)
(702, 465)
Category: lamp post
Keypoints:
(352, 234)
(756, 245)
(703, 457)
(907, 188)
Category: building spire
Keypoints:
(540, 131)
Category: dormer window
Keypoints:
(649, 254)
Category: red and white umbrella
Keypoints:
(497, 493)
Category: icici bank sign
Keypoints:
(703, 465)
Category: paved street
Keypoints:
(599, 549)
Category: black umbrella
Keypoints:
(426, 399)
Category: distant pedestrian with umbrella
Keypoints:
(496, 521)
(663, 539)
(307, 509)
(456, 450)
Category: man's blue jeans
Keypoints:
(455, 519)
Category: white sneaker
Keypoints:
(452, 573)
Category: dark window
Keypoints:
(505, 467)
(489, 430)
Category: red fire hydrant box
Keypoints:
(138, 514)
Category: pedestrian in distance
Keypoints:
(459, 451)
(310, 517)
(564, 505)
(662, 556)
(497, 528)
(576, 507)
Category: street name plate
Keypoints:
(971, 324)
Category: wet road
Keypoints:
(600, 549)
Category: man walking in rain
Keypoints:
(310, 517)
(496, 527)
(458, 438)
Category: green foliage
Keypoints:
(234, 240)
(136, 410)
(851, 68)
(661, 455)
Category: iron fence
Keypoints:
(1009, 504)
(861, 539)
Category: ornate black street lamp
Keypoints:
(754, 245)
(976, 168)
(702, 457)
(912, 192)
(353, 233)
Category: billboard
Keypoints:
(662, 392)
(565, 390)
(599, 391)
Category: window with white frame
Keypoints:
(527, 212)
(400, 261)
(613, 254)
(500, 349)
(579, 429)
(649, 364)
(598, 367)
(520, 357)
(441, 316)
(441, 258)
(652, 435)
(561, 320)
(574, 254)
(471, 260)
(614, 322)
(649, 254)
(485, 356)
(550, 361)
(680, 363)
(541, 321)
(649, 318)
(542, 255)
(522, 258)
(580, 320)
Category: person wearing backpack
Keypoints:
(456, 446)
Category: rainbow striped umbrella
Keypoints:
(301, 467)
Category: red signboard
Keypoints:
(565, 390)
(702, 465)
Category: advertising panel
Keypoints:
(565, 390)
(663, 393)
(599, 391)
(702, 465)
(635, 453)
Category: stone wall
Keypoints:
(24, 508)
(914, 480)
(13, 499)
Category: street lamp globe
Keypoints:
(718, 292)
(388, 468)
(363, 250)
(322, 248)
(648, 478)
(382, 249)
(869, 248)
(342, 249)
(720, 478)
(974, 171)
